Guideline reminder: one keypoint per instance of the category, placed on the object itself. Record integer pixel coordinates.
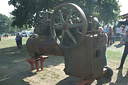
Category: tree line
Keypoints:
(29, 12)
(6, 25)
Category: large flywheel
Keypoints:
(68, 25)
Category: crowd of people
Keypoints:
(121, 32)
(110, 34)
(115, 32)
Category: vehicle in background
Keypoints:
(31, 34)
(24, 34)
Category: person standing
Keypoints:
(117, 32)
(124, 42)
(126, 26)
(122, 33)
(18, 40)
(0, 37)
(110, 33)
(105, 44)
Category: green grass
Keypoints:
(14, 68)
(49, 73)
(114, 51)
(113, 55)
(12, 61)
(8, 48)
(10, 42)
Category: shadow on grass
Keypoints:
(120, 79)
(118, 45)
(53, 61)
(68, 81)
(103, 80)
(72, 81)
(13, 67)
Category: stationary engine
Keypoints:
(71, 35)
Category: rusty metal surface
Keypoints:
(32, 45)
(63, 21)
(93, 23)
(43, 27)
(85, 60)
(82, 51)
(45, 45)
(49, 46)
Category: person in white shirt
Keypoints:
(117, 33)
(126, 26)
(122, 33)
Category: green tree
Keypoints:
(28, 12)
(4, 23)
(14, 29)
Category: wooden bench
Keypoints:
(35, 61)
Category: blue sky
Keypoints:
(5, 8)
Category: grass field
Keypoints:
(11, 61)
(14, 70)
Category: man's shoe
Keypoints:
(119, 68)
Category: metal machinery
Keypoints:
(71, 35)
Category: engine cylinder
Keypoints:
(45, 45)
